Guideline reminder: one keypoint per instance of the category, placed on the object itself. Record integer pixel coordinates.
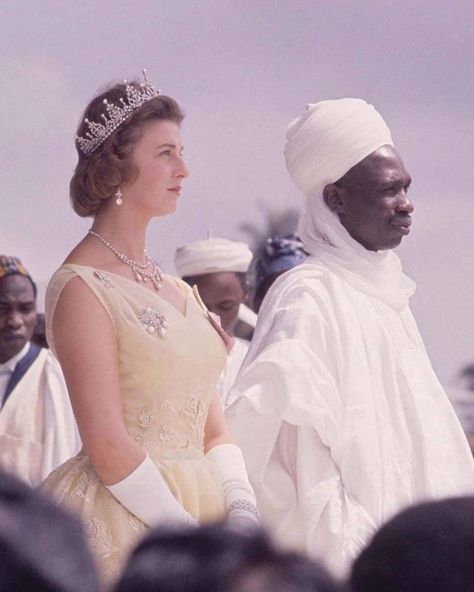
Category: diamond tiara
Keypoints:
(115, 115)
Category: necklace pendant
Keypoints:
(155, 275)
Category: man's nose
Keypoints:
(14, 320)
(404, 204)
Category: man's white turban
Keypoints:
(330, 138)
(212, 255)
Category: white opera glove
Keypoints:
(239, 496)
(146, 495)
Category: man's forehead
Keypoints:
(16, 287)
(217, 280)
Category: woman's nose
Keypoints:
(183, 170)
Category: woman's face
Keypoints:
(161, 169)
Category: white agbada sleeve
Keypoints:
(286, 414)
(231, 369)
(61, 436)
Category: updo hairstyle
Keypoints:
(98, 176)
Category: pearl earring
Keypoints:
(118, 197)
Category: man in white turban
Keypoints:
(337, 409)
(218, 267)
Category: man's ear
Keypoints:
(246, 291)
(334, 199)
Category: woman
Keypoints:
(139, 351)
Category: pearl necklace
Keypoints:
(156, 276)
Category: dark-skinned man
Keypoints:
(218, 268)
(37, 428)
(338, 411)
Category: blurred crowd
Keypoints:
(428, 547)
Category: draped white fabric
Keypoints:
(231, 369)
(37, 427)
(340, 416)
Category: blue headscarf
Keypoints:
(280, 254)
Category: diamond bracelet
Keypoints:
(243, 504)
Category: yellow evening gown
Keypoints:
(167, 380)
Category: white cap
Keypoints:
(212, 255)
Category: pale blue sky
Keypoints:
(242, 70)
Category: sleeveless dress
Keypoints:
(169, 364)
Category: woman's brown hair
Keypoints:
(98, 176)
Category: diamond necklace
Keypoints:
(156, 276)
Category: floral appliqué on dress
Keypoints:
(176, 424)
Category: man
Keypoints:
(37, 428)
(218, 267)
(339, 414)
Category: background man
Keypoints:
(218, 267)
(37, 428)
(339, 414)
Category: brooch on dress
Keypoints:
(153, 321)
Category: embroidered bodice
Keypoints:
(169, 362)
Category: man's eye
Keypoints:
(226, 306)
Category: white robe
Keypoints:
(37, 427)
(340, 416)
(231, 369)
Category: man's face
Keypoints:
(17, 314)
(222, 292)
(374, 206)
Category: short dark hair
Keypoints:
(216, 558)
(42, 547)
(98, 176)
(428, 547)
